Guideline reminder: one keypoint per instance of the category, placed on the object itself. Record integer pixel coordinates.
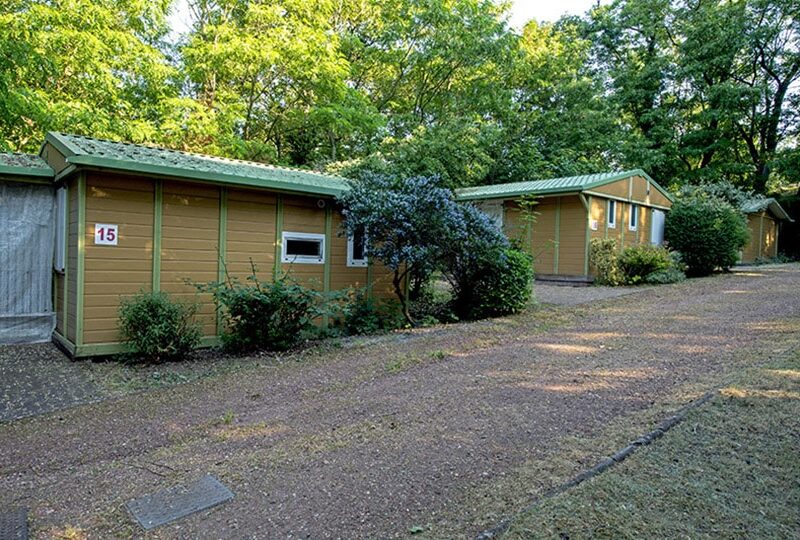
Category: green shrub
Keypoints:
(638, 262)
(264, 316)
(674, 273)
(708, 232)
(503, 285)
(434, 304)
(604, 258)
(363, 315)
(157, 329)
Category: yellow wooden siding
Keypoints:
(658, 199)
(750, 251)
(770, 244)
(189, 243)
(615, 189)
(115, 272)
(543, 233)
(572, 237)
(598, 214)
(639, 186)
(72, 262)
(303, 215)
(342, 276)
(763, 240)
(250, 234)
(631, 237)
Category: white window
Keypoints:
(357, 248)
(61, 230)
(304, 248)
(634, 218)
(612, 214)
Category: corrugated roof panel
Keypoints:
(569, 184)
(129, 157)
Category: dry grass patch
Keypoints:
(728, 471)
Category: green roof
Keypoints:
(135, 158)
(757, 205)
(569, 184)
(14, 164)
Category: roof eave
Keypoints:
(35, 172)
(220, 178)
(512, 194)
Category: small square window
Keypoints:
(634, 217)
(303, 248)
(357, 248)
(612, 214)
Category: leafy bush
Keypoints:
(635, 265)
(708, 232)
(157, 329)
(264, 316)
(434, 304)
(504, 286)
(409, 221)
(674, 273)
(638, 262)
(604, 258)
(473, 251)
(363, 315)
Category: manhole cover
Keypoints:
(14, 524)
(176, 502)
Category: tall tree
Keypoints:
(85, 66)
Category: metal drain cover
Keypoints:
(176, 502)
(14, 524)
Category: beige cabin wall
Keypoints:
(112, 273)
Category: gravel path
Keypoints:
(36, 379)
(379, 436)
(568, 295)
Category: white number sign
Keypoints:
(105, 234)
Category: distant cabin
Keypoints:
(627, 206)
(764, 218)
(120, 218)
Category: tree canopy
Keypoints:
(693, 91)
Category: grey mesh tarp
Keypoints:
(27, 232)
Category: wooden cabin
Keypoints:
(135, 218)
(764, 217)
(628, 206)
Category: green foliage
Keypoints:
(708, 232)
(157, 329)
(264, 316)
(603, 256)
(639, 262)
(411, 223)
(691, 92)
(434, 304)
(635, 265)
(362, 315)
(503, 286)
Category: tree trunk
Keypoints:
(397, 281)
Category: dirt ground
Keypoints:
(427, 431)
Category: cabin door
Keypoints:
(657, 228)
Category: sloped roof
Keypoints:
(15, 164)
(569, 184)
(136, 158)
(757, 205)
